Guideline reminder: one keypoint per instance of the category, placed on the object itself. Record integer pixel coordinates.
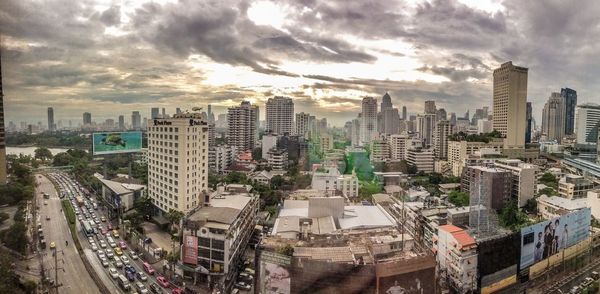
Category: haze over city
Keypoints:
(132, 55)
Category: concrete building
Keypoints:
(87, 118)
(404, 113)
(178, 162)
(529, 117)
(459, 151)
(221, 157)
(430, 107)
(574, 186)
(386, 102)
(588, 120)
(510, 103)
(553, 118)
(348, 185)
(380, 150)
(524, 179)
(120, 194)
(457, 258)
(368, 125)
(484, 126)
(302, 123)
(242, 122)
(426, 127)
(326, 141)
(218, 234)
(570, 102)
(51, 125)
(154, 112)
(421, 158)
(489, 189)
(397, 146)
(550, 207)
(442, 132)
(355, 132)
(390, 120)
(593, 202)
(330, 180)
(3, 164)
(269, 141)
(121, 122)
(280, 115)
(277, 159)
(136, 121)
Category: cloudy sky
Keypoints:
(113, 57)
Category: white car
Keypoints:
(100, 253)
(141, 276)
(141, 288)
(94, 247)
(133, 255)
(110, 253)
(102, 244)
(113, 272)
(104, 261)
(125, 259)
(91, 239)
(118, 263)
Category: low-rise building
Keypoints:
(277, 159)
(523, 180)
(119, 194)
(380, 150)
(221, 157)
(574, 186)
(456, 254)
(264, 177)
(593, 202)
(421, 158)
(550, 207)
(329, 179)
(458, 151)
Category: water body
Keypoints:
(31, 150)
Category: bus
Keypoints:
(87, 228)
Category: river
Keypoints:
(31, 150)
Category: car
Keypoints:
(109, 226)
(235, 291)
(246, 277)
(148, 268)
(125, 260)
(249, 270)
(94, 247)
(91, 239)
(110, 253)
(97, 221)
(242, 285)
(133, 255)
(141, 288)
(162, 281)
(52, 245)
(176, 291)
(122, 245)
(104, 261)
(45, 202)
(113, 272)
(141, 276)
(118, 263)
(130, 269)
(595, 275)
(100, 253)
(80, 218)
(155, 288)
(102, 244)
(103, 219)
(118, 251)
(47, 217)
(115, 233)
(586, 282)
(575, 290)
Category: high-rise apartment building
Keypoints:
(553, 120)
(87, 118)
(397, 146)
(510, 104)
(404, 113)
(3, 165)
(442, 132)
(430, 107)
(178, 162)
(529, 118)
(242, 130)
(588, 120)
(570, 101)
(425, 127)
(355, 132)
(154, 112)
(386, 102)
(280, 115)
(51, 126)
(302, 123)
(121, 122)
(368, 126)
(441, 114)
(136, 120)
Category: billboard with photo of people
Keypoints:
(274, 273)
(549, 237)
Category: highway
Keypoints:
(72, 273)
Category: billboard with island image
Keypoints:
(116, 142)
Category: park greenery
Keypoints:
(485, 138)
(63, 140)
(458, 198)
(431, 182)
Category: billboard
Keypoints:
(116, 142)
(544, 239)
(274, 273)
(190, 250)
(416, 275)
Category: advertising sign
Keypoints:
(544, 239)
(117, 142)
(190, 250)
(416, 276)
(275, 273)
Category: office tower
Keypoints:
(355, 136)
(390, 121)
(164, 113)
(136, 120)
(441, 114)
(178, 162)
(177, 110)
(280, 115)
(588, 119)
(430, 107)
(442, 132)
(368, 124)
(154, 112)
(121, 122)
(242, 130)
(553, 121)
(453, 118)
(3, 166)
(404, 113)
(51, 119)
(425, 127)
(386, 102)
(510, 103)
(529, 118)
(570, 101)
(87, 118)
(302, 123)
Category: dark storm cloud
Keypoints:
(111, 16)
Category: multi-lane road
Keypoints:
(71, 271)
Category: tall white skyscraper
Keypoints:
(553, 118)
(391, 121)
(368, 125)
(426, 127)
(302, 123)
(242, 130)
(510, 104)
(386, 102)
(442, 131)
(355, 132)
(587, 122)
(178, 162)
(280, 115)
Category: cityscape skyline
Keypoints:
(323, 75)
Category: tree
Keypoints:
(510, 216)
(367, 189)
(62, 159)
(531, 206)
(257, 154)
(277, 181)
(15, 237)
(286, 250)
(143, 205)
(458, 198)
(174, 216)
(236, 178)
(43, 153)
(549, 180)
(548, 191)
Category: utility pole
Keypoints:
(56, 284)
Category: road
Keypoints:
(72, 273)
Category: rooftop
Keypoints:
(564, 203)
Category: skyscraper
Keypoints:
(355, 135)
(242, 130)
(211, 115)
(51, 126)
(136, 120)
(368, 125)
(425, 127)
(510, 99)
(553, 120)
(386, 102)
(404, 113)
(280, 115)
(164, 113)
(391, 121)
(442, 132)
(121, 122)
(441, 114)
(87, 118)
(177, 110)
(3, 166)
(154, 112)
(302, 123)
(529, 117)
(430, 107)
(588, 120)
(570, 101)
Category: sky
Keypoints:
(114, 57)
